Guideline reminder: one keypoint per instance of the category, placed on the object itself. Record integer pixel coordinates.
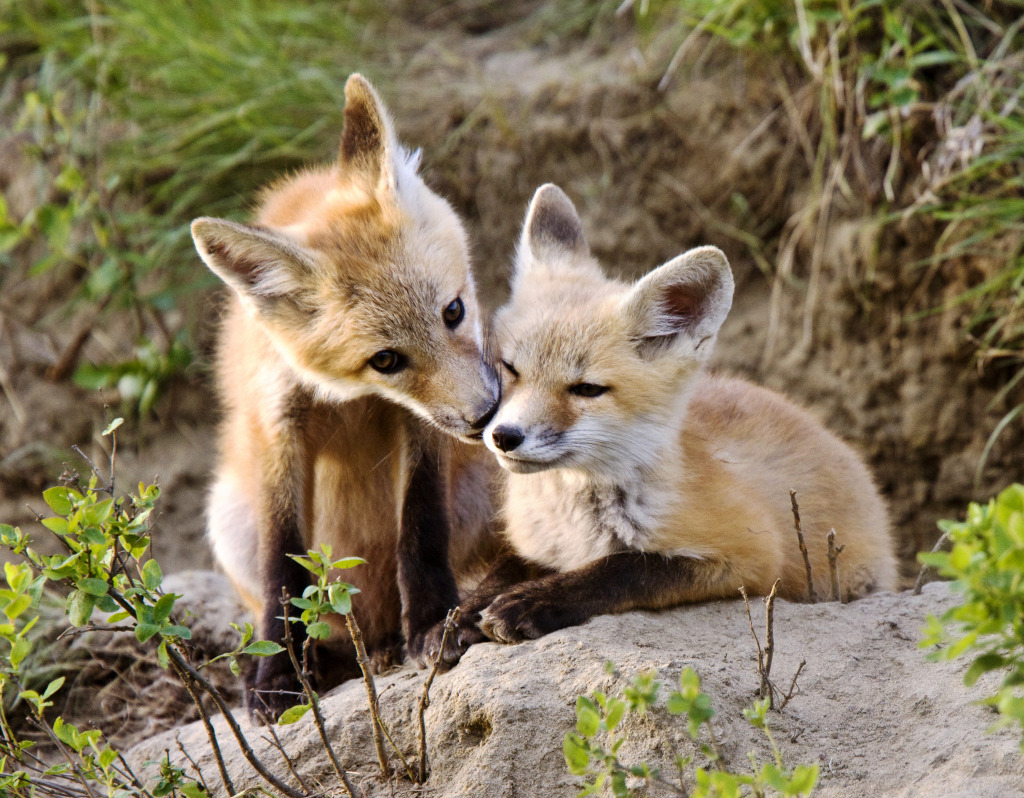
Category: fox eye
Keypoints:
(387, 361)
(454, 313)
(587, 390)
(510, 369)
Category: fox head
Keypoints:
(360, 277)
(595, 371)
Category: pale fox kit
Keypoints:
(350, 360)
(638, 481)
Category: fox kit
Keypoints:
(637, 481)
(350, 361)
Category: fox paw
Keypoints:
(521, 615)
(423, 649)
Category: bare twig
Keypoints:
(72, 631)
(792, 686)
(925, 568)
(449, 626)
(803, 546)
(833, 565)
(371, 691)
(766, 685)
(211, 733)
(765, 655)
(276, 742)
(45, 727)
(394, 747)
(108, 485)
(311, 696)
(195, 767)
(192, 678)
(769, 647)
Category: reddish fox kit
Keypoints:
(638, 481)
(352, 340)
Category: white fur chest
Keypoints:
(564, 521)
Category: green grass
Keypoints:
(145, 114)
(938, 83)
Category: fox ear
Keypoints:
(261, 266)
(681, 302)
(368, 140)
(552, 230)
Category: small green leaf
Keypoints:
(152, 576)
(983, 664)
(18, 606)
(53, 687)
(107, 757)
(164, 606)
(319, 630)
(113, 425)
(263, 648)
(616, 709)
(577, 757)
(94, 586)
(59, 499)
(193, 790)
(182, 632)
(144, 631)
(803, 780)
(348, 562)
(293, 714)
(79, 607)
(341, 600)
(21, 648)
(162, 657)
(587, 718)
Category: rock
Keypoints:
(874, 714)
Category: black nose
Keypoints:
(485, 419)
(507, 438)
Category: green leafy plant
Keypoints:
(593, 750)
(103, 567)
(986, 561)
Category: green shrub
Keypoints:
(987, 563)
(593, 750)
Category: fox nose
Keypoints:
(485, 419)
(507, 438)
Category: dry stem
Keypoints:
(764, 655)
(833, 565)
(371, 691)
(276, 742)
(803, 546)
(449, 626)
(311, 696)
(192, 762)
(925, 568)
(792, 686)
(210, 732)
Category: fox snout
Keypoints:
(507, 437)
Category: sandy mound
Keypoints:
(877, 717)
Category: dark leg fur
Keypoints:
(275, 683)
(425, 580)
(509, 569)
(275, 680)
(625, 581)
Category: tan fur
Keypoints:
(669, 459)
(343, 262)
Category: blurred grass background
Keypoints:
(139, 116)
